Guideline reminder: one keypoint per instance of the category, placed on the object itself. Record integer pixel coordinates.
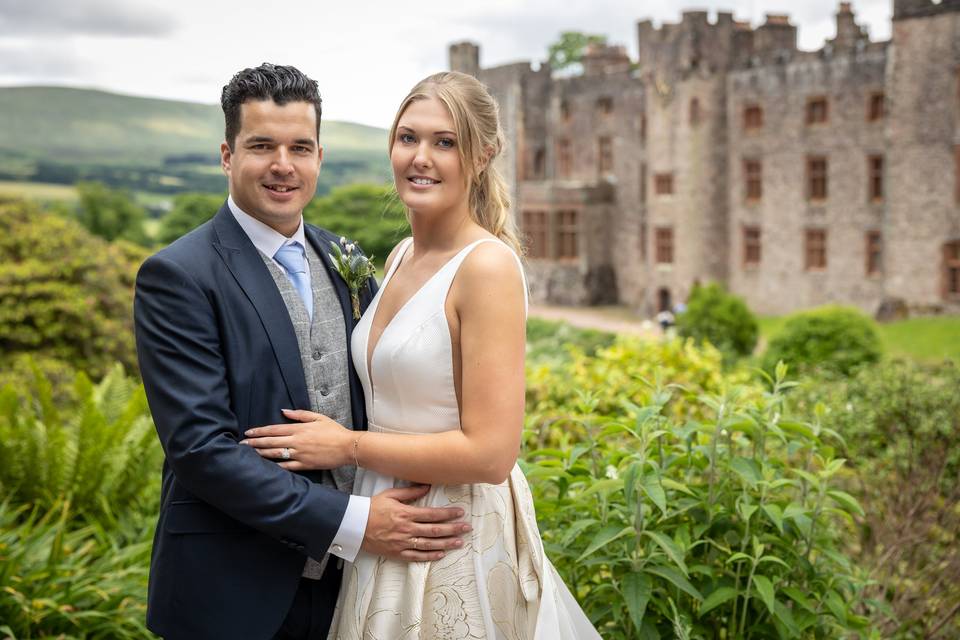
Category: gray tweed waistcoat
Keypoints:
(323, 355)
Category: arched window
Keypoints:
(951, 270)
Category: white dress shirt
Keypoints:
(346, 544)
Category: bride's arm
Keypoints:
(488, 299)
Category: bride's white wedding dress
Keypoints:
(500, 584)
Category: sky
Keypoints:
(365, 54)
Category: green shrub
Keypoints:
(189, 211)
(550, 341)
(829, 339)
(368, 214)
(64, 295)
(726, 527)
(109, 213)
(720, 318)
(67, 582)
(901, 422)
(101, 454)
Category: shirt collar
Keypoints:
(266, 239)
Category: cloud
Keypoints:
(31, 64)
(83, 17)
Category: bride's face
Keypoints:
(426, 160)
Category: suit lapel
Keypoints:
(244, 262)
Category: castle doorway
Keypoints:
(664, 302)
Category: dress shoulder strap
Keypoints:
(401, 251)
(453, 266)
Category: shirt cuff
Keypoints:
(346, 544)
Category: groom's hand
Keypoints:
(403, 532)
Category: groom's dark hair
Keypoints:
(279, 83)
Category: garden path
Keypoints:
(612, 319)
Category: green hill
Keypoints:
(61, 135)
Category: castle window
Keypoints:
(876, 107)
(816, 110)
(604, 155)
(605, 105)
(816, 178)
(539, 163)
(664, 245)
(564, 110)
(564, 159)
(535, 230)
(815, 249)
(643, 182)
(695, 111)
(751, 246)
(753, 179)
(874, 253)
(875, 180)
(951, 270)
(663, 184)
(567, 233)
(643, 241)
(752, 117)
(643, 128)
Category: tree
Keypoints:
(110, 213)
(189, 211)
(571, 47)
(66, 296)
(368, 214)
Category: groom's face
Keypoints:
(275, 161)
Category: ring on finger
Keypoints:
(416, 544)
(285, 453)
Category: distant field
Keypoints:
(929, 339)
(38, 191)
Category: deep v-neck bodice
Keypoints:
(407, 373)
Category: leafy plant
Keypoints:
(57, 580)
(726, 526)
(368, 214)
(829, 339)
(66, 295)
(189, 211)
(720, 318)
(101, 454)
(109, 213)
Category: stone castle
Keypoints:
(724, 153)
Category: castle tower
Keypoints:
(465, 58)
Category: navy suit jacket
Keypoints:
(218, 354)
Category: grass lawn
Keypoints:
(930, 339)
(38, 191)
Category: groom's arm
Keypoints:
(184, 374)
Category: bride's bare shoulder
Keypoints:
(491, 272)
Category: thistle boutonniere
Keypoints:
(354, 267)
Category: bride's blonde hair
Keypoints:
(480, 140)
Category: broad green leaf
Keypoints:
(604, 486)
(576, 452)
(648, 631)
(783, 615)
(747, 469)
(836, 605)
(541, 471)
(809, 477)
(574, 530)
(676, 579)
(765, 589)
(798, 428)
(833, 467)
(717, 598)
(604, 537)
(651, 486)
(670, 547)
(775, 514)
(846, 500)
(676, 486)
(630, 484)
(774, 560)
(739, 556)
(794, 510)
(798, 596)
(637, 588)
(746, 510)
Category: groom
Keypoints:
(235, 321)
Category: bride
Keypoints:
(440, 353)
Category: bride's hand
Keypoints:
(313, 442)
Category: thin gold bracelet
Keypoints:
(356, 448)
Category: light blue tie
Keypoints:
(294, 262)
